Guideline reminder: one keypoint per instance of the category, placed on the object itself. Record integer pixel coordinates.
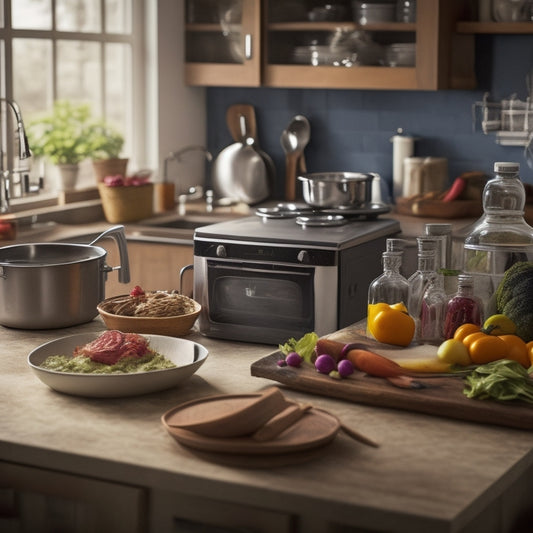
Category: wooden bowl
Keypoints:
(173, 326)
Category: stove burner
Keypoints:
(284, 211)
(298, 210)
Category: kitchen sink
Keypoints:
(182, 223)
(186, 222)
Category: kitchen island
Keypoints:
(109, 464)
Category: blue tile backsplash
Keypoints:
(351, 129)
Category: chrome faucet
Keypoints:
(195, 191)
(6, 184)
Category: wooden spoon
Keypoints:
(290, 415)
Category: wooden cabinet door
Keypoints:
(223, 43)
(40, 501)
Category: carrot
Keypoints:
(369, 362)
(333, 348)
(374, 364)
(336, 349)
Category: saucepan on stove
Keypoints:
(55, 285)
(338, 190)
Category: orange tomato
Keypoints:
(487, 348)
(472, 337)
(466, 329)
(516, 349)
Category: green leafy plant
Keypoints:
(69, 134)
(105, 142)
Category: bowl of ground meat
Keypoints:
(155, 312)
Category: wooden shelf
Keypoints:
(495, 27)
(345, 25)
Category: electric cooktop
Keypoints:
(297, 231)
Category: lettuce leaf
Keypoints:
(304, 346)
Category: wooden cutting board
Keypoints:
(442, 396)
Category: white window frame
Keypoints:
(136, 120)
(167, 114)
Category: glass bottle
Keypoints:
(419, 283)
(443, 232)
(426, 264)
(501, 237)
(463, 308)
(390, 287)
(397, 245)
(433, 312)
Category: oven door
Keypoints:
(266, 303)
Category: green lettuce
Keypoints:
(304, 346)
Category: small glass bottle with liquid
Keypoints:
(463, 308)
(501, 237)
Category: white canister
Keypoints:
(424, 174)
(403, 146)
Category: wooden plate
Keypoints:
(227, 415)
(316, 428)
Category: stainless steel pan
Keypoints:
(56, 285)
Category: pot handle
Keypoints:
(117, 233)
(183, 271)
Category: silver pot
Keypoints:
(342, 190)
(56, 285)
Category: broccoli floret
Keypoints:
(514, 298)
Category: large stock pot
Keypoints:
(56, 285)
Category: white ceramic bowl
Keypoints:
(188, 357)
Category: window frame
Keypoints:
(136, 123)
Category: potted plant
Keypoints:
(62, 137)
(106, 144)
(69, 134)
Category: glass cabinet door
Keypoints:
(359, 44)
(222, 42)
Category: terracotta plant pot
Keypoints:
(109, 167)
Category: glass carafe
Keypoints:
(501, 237)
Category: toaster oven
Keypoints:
(265, 281)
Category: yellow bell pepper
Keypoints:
(390, 324)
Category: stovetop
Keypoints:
(287, 231)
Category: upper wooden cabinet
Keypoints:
(281, 43)
(223, 42)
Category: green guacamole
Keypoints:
(128, 365)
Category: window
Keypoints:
(77, 50)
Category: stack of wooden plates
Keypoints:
(221, 429)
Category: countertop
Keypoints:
(80, 220)
(428, 474)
